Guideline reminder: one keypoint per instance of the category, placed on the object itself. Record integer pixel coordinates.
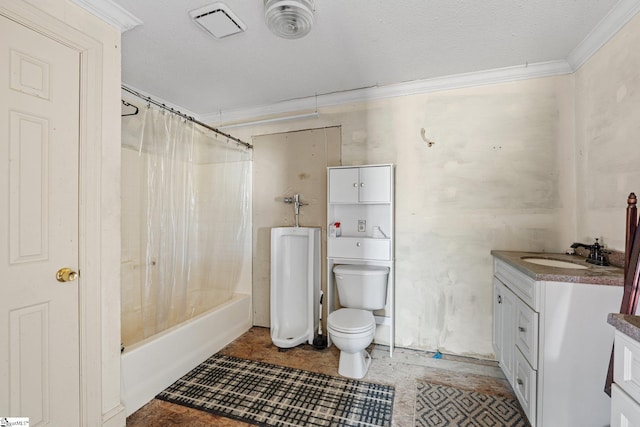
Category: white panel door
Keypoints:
(39, 316)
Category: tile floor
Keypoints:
(402, 371)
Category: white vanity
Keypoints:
(551, 337)
(625, 392)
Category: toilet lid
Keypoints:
(351, 320)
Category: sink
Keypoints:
(554, 263)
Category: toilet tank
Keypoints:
(362, 286)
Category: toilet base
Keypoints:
(354, 365)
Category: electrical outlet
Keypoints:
(362, 225)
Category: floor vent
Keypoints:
(218, 20)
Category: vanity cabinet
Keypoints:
(553, 344)
(625, 391)
(504, 313)
(361, 199)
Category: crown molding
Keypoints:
(617, 18)
(111, 13)
(609, 26)
(458, 81)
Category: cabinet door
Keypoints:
(504, 327)
(527, 332)
(625, 412)
(526, 387)
(343, 185)
(375, 184)
(497, 318)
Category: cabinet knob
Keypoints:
(362, 184)
(499, 299)
(521, 329)
(358, 244)
(355, 184)
(519, 381)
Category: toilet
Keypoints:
(361, 289)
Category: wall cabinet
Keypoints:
(360, 184)
(553, 344)
(360, 198)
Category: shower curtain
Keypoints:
(185, 209)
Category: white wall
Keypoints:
(529, 165)
(499, 176)
(286, 164)
(608, 137)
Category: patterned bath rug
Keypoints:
(438, 405)
(269, 395)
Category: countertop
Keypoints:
(594, 274)
(625, 323)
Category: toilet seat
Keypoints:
(351, 321)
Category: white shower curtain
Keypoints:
(193, 200)
(169, 143)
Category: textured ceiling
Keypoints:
(353, 44)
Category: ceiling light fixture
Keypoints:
(289, 19)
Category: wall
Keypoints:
(529, 165)
(500, 176)
(286, 164)
(608, 137)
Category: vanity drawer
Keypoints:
(525, 387)
(522, 285)
(627, 365)
(527, 332)
(624, 410)
(359, 248)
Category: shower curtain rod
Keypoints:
(186, 117)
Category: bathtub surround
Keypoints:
(149, 366)
(183, 252)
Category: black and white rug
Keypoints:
(438, 405)
(270, 395)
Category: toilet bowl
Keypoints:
(361, 289)
(352, 330)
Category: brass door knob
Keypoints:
(66, 275)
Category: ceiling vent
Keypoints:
(218, 20)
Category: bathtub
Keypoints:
(152, 365)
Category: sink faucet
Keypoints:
(596, 253)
